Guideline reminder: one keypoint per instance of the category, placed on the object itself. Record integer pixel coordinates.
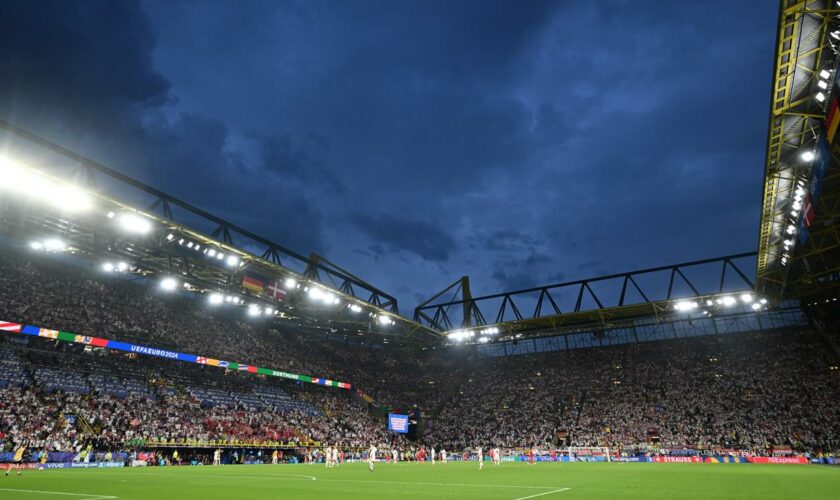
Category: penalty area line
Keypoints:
(542, 494)
(87, 496)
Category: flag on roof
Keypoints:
(276, 291)
(252, 283)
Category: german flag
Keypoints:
(832, 120)
(253, 284)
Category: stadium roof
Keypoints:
(796, 258)
(203, 253)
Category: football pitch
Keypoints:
(412, 480)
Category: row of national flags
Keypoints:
(271, 288)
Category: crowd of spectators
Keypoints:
(170, 409)
(750, 391)
(753, 392)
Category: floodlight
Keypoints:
(763, 301)
(169, 237)
(220, 256)
(315, 293)
(253, 310)
(807, 155)
(483, 340)
(36, 245)
(110, 215)
(232, 261)
(355, 308)
(685, 305)
(290, 283)
(835, 34)
(822, 84)
(216, 298)
(269, 311)
(211, 252)
(747, 297)
(55, 245)
(169, 284)
(122, 266)
(824, 74)
(107, 267)
(134, 223)
(385, 320)
(728, 301)
(756, 306)
(189, 244)
(820, 97)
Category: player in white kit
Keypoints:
(497, 456)
(395, 455)
(480, 457)
(433, 455)
(443, 456)
(371, 457)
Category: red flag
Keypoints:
(275, 290)
(807, 211)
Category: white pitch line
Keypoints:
(86, 495)
(546, 493)
(469, 485)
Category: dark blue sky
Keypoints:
(412, 142)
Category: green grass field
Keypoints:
(411, 480)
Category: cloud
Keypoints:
(393, 234)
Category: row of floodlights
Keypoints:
(170, 284)
(483, 333)
(824, 75)
(725, 301)
(211, 253)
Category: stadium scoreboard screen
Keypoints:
(398, 423)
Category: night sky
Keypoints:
(412, 142)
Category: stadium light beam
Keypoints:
(216, 298)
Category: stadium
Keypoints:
(151, 348)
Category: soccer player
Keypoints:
(395, 455)
(371, 457)
(217, 457)
(433, 455)
(17, 460)
(480, 457)
(274, 458)
(443, 455)
(497, 456)
(531, 460)
(335, 456)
